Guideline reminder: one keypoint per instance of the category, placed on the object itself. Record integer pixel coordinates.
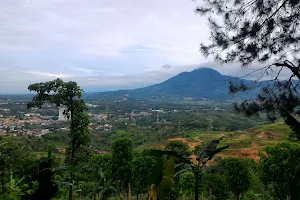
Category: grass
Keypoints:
(276, 129)
(238, 144)
(244, 143)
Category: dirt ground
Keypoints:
(252, 152)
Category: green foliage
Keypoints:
(47, 188)
(14, 158)
(162, 179)
(142, 164)
(69, 95)
(203, 156)
(166, 184)
(237, 175)
(121, 160)
(181, 148)
(215, 186)
(186, 183)
(102, 189)
(209, 151)
(95, 178)
(280, 169)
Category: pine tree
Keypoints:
(259, 31)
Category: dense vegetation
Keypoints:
(124, 172)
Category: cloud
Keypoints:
(166, 67)
(50, 75)
(107, 43)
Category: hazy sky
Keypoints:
(105, 44)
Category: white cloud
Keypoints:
(84, 38)
(50, 75)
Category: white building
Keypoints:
(61, 115)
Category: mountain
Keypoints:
(199, 84)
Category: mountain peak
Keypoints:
(201, 83)
(207, 70)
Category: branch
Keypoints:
(289, 65)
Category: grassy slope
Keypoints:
(247, 143)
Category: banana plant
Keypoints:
(104, 188)
(203, 156)
(161, 179)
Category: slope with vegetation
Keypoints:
(247, 143)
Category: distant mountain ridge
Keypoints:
(199, 84)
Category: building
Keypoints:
(61, 115)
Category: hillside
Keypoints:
(243, 143)
(199, 84)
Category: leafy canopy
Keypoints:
(66, 94)
(237, 175)
(280, 168)
(122, 157)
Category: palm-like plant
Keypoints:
(104, 188)
(203, 156)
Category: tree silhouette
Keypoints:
(259, 31)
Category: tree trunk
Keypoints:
(71, 176)
(72, 154)
(137, 196)
(70, 192)
(196, 185)
(3, 180)
(129, 191)
(210, 192)
(292, 123)
(124, 192)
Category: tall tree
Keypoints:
(216, 186)
(259, 31)
(122, 157)
(141, 169)
(67, 94)
(237, 173)
(186, 183)
(280, 168)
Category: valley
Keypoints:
(151, 124)
(117, 134)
